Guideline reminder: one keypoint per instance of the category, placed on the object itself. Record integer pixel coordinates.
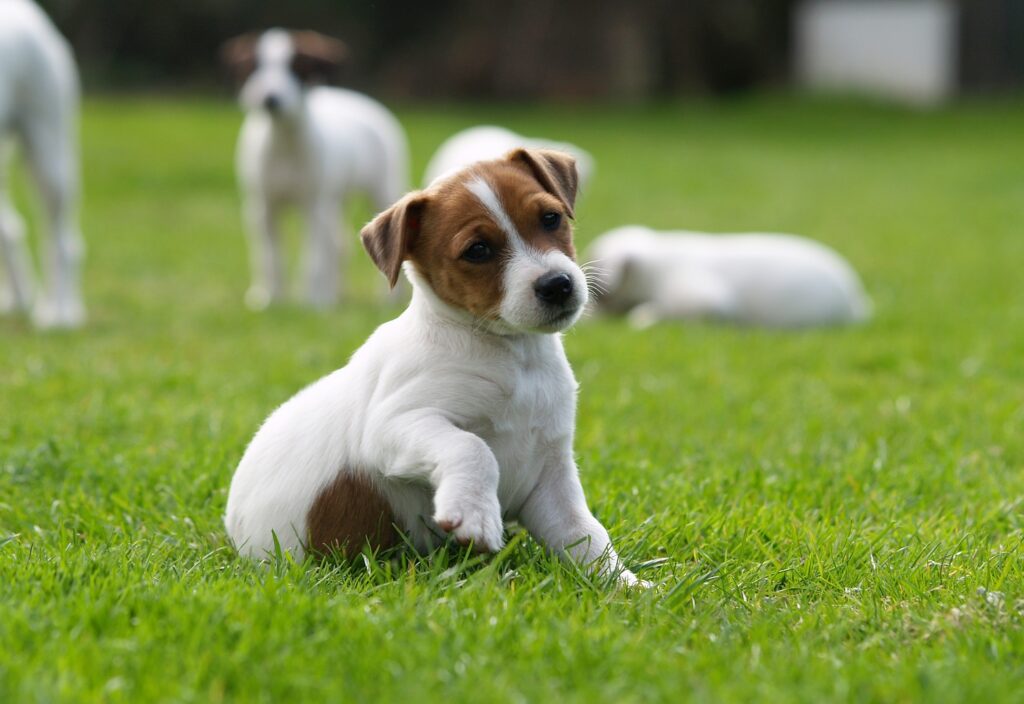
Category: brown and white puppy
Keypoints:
(459, 414)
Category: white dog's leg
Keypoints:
(322, 253)
(16, 278)
(695, 296)
(265, 258)
(556, 514)
(51, 154)
(464, 473)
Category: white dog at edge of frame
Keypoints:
(310, 147)
(39, 97)
(460, 413)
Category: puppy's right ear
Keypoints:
(239, 55)
(389, 236)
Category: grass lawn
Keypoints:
(830, 515)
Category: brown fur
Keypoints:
(433, 228)
(239, 55)
(316, 56)
(348, 514)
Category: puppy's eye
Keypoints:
(478, 253)
(550, 220)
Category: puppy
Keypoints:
(490, 142)
(459, 414)
(308, 147)
(39, 108)
(779, 281)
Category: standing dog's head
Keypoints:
(493, 240)
(274, 67)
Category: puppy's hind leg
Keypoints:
(265, 258)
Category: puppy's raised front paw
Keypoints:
(480, 526)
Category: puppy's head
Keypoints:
(274, 67)
(493, 240)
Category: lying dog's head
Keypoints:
(274, 67)
(493, 240)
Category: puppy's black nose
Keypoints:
(272, 103)
(555, 287)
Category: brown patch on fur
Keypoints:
(347, 514)
(317, 56)
(239, 55)
(435, 227)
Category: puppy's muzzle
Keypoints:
(554, 288)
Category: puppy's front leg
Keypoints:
(464, 473)
(556, 514)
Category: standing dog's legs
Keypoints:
(267, 265)
(50, 152)
(16, 286)
(16, 279)
(322, 253)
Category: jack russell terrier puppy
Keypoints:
(310, 147)
(459, 414)
(781, 281)
(489, 142)
(39, 107)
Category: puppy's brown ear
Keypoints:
(556, 172)
(389, 236)
(239, 55)
(317, 55)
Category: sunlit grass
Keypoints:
(830, 515)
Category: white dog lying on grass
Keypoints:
(39, 107)
(770, 280)
(490, 142)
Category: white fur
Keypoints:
(322, 146)
(490, 142)
(39, 108)
(752, 279)
(455, 422)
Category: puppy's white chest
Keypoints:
(531, 424)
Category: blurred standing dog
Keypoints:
(489, 142)
(750, 279)
(39, 108)
(310, 147)
(460, 413)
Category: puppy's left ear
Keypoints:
(389, 236)
(556, 172)
(317, 55)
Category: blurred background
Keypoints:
(920, 51)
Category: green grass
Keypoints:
(831, 515)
